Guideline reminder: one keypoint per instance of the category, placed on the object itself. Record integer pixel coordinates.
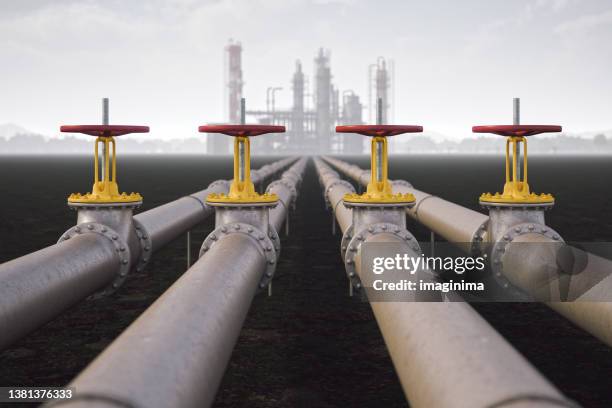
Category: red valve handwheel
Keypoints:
(516, 130)
(104, 130)
(241, 130)
(379, 130)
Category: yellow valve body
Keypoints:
(105, 191)
(516, 191)
(379, 190)
(242, 190)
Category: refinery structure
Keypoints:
(317, 106)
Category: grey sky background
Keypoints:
(458, 63)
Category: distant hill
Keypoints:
(15, 139)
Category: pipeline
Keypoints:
(183, 342)
(440, 350)
(37, 287)
(168, 221)
(461, 225)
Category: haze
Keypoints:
(161, 62)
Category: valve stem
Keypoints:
(105, 121)
(379, 145)
(516, 120)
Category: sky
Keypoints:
(457, 63)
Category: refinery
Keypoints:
(301, 260)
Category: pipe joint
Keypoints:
(287, 184)
(338, 182)
(352, 242)
(369, 221)
(505, 224)
(268, 243)
(129, 237)
(253, 221)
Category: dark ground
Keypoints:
(309, 344)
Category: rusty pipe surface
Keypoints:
(440, 350)
(175, 353)
(459, 224)
(37, 287)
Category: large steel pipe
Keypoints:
(175, 353)
(440, 350)
(37, 287)
(532, 262)
(459, 224)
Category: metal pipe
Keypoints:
(182, 343)
(461, 225)
(175, 353)
(440, 350)
(532, 263)
(37, 287)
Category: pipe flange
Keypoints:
(267, 245)
(346, 238)
(122, 249)
(275, 238)
(217, 183)
(499, 247)
(296, 178)
(146, 245)
(477, 247)
(362, 236)
(290, 187)
(337, 183)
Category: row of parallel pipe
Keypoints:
(37, 287)
(175, 353)
(441, 350)
(524, 265)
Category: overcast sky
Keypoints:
(458, 63)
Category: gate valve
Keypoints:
(105, 189)
(516, 189)
(242, 190)
(379, 190)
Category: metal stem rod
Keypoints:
(461, 225)
(105, 121)
(183, 342)
(379, 145)
(241, 147)
(37, 287)
(435, 347)
(516, 120)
